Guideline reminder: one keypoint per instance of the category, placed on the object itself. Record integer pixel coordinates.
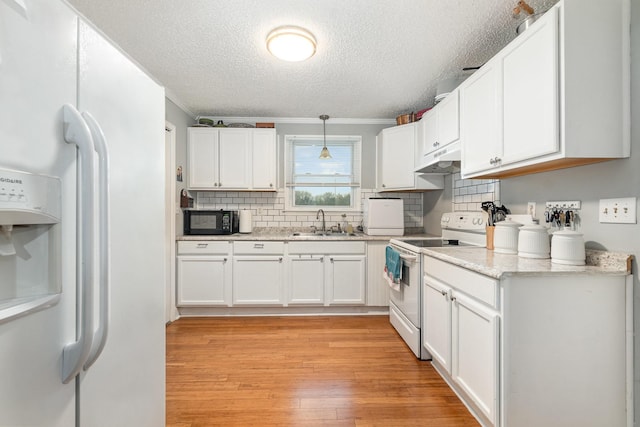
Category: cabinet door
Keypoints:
(203, 281)
(427, 134)
(264, 159)
(234, 159)
(448, 119)
(377, 287)
(436, 322)
(397, 157)
(475, 353)
(531, 92)
(481, 119)
(202, 152)
(346, 279)
(258, 280)
(306, 279)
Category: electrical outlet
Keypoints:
(531, 209)
(619, 211)
(566, 205)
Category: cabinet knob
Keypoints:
(443, 293)
(280, 259)
(492, 161)
(215, 184)
(383, 186)
(331, 259)
(453, 298)
(271, 185)
(224, 260)
(219, 184)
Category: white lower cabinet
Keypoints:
(204, 274)
(306, 279)
(474, 352)
(346, 280)
(326, 273)
(258, 273)
(536, 349)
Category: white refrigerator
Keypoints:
(49, 58)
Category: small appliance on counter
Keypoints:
(207, 222)
(383, 216)
(246, 221)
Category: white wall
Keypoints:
(181, 120)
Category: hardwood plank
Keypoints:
(301, 371)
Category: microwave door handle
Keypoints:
(77, 132)
(100, 334)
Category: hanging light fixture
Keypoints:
(291, 43)
(324, 154)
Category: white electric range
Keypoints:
(405, 304)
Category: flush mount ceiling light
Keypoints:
(324, 154)
(291, 43)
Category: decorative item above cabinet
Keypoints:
(555, 97)
(231, 159)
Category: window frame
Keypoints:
(289, 196)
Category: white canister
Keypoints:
(534, 242)
(567, 247)
(246, 221)
(505, 238)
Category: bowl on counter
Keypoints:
(534, 242)
(567, 247)
(505, 237)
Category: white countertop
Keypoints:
(496, 265)
(285, 234)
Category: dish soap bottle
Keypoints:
(345, 225)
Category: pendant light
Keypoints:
(324, 154)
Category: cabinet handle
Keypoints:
(202, 245)
(258, 246)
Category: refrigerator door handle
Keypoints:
(100, 334)
(77, 132)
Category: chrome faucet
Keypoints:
(320, 211)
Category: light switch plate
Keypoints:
(618, 211)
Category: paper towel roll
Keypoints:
(246, 221)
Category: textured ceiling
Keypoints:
(375, 59)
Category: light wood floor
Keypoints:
(301, 371)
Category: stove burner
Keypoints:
(431, 243)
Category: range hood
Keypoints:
(443, 161)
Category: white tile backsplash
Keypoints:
(468, 194)
(268, 208)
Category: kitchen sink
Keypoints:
(321, 234)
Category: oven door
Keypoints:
(407, 298)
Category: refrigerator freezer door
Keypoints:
(126, 383)
(38, 52)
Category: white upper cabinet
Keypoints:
(231, 159)
(437, 130)
(264, 159)
(396, 153)
(531, 108)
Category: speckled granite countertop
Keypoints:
(497, 265)
(285, 234)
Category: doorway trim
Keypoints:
(171, 206)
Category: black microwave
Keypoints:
(198, 222)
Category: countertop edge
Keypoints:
(498, 266)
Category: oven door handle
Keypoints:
(409, 257)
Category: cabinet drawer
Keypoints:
(476, 285)
(333, 248)
(258, 248)
(203, 247)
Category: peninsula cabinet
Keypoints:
(231, 159)
(396, 152)
(203, 273)
(543, 103)
(532, 349)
